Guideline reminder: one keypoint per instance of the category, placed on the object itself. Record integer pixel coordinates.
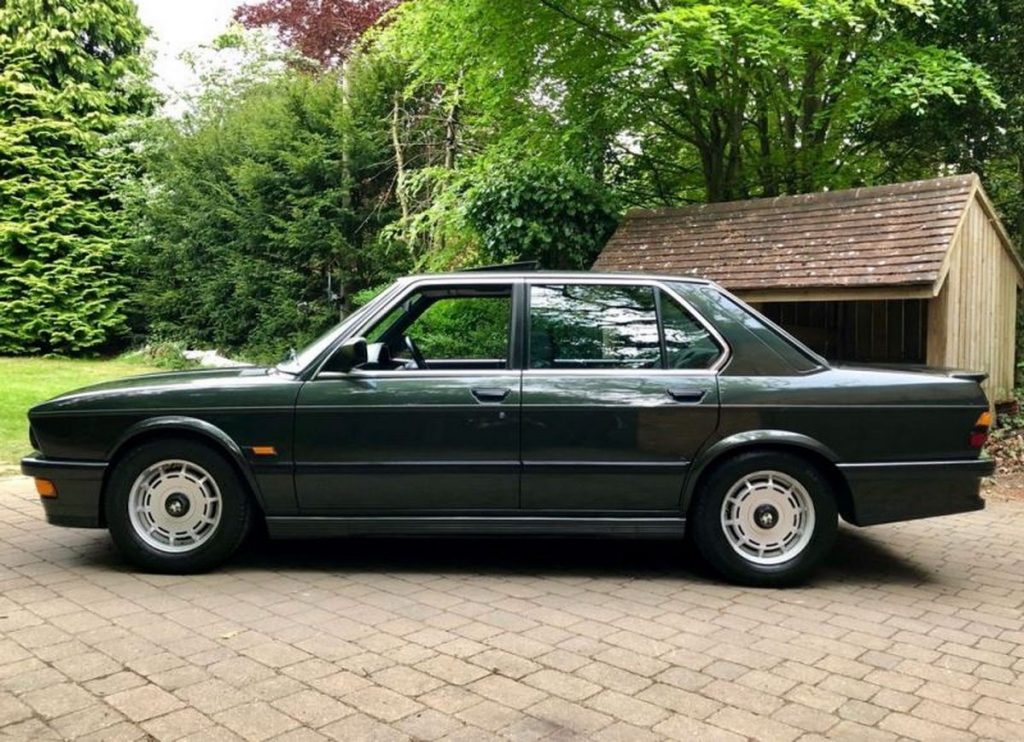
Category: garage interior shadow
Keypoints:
(855, 558)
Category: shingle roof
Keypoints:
(887, 236)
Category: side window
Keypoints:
(593, 327)
(688, 344)
(464, 327)
(458, 327)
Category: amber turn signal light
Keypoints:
(979, 435)
(264, 451)
(46, 488)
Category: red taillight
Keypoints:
(980, 433)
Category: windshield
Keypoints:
(312, 351)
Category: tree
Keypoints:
(980, 138)
(528, 211)
(688, 100)
(71, 74)
(322, 30)
(249, 223)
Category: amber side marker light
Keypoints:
(264, 451)
(46, 488)
(980, 433)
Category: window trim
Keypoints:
(519, 353)
(540, 280)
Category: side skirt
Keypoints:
(327, 527)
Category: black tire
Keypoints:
(707, 524)
(235, 508)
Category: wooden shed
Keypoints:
(916, 273)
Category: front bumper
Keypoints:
(886, 493)
(79, 486)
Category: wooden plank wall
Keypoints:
(972, 322)
(874, 331)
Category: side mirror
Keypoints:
(349, 355)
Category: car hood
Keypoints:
(149, 385)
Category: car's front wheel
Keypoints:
(764, 518)
(176, 506)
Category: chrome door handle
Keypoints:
(491, 395)
(686, 394)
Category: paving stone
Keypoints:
(562, 684)
(406, 680)
(312, 708)
(12, 710)
(382, 703)
(362, 727)
(428, 725)
(504, 690)
(490, 716)
(751, 725)
(177, 724)
(144, 702)
(573, 717)
(684, 728)
(211, 696)
(256, 720)
(910, 726)
(86, 721)
(628, 709)
(58, 699)
(452, 670)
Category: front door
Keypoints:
(619, 393)
(431, 426)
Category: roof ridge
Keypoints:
(964, 182)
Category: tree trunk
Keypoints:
(396, 142)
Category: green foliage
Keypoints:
(71, 77)
(553, 215)
(464, 328)
(981, 139)
(259, 203)
(691, 100)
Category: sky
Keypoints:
(178, 25)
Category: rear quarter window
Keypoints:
(758, 343)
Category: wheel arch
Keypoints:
(812, 451)
(180, 426)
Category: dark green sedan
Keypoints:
(520, 403)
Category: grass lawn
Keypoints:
(27, 381)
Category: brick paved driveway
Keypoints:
(912, 631)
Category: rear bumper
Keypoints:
(886, 493)
(78, 483)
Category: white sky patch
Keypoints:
(178, 26)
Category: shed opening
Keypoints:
(871, 331)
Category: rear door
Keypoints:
(620, 390)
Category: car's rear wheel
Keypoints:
(176, 506)
(764, 518)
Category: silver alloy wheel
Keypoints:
(174, 506)
(768, 517)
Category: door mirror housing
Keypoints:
(349, 355)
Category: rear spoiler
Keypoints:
(976, 376)
(953, 373)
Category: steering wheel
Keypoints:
(414, 351)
